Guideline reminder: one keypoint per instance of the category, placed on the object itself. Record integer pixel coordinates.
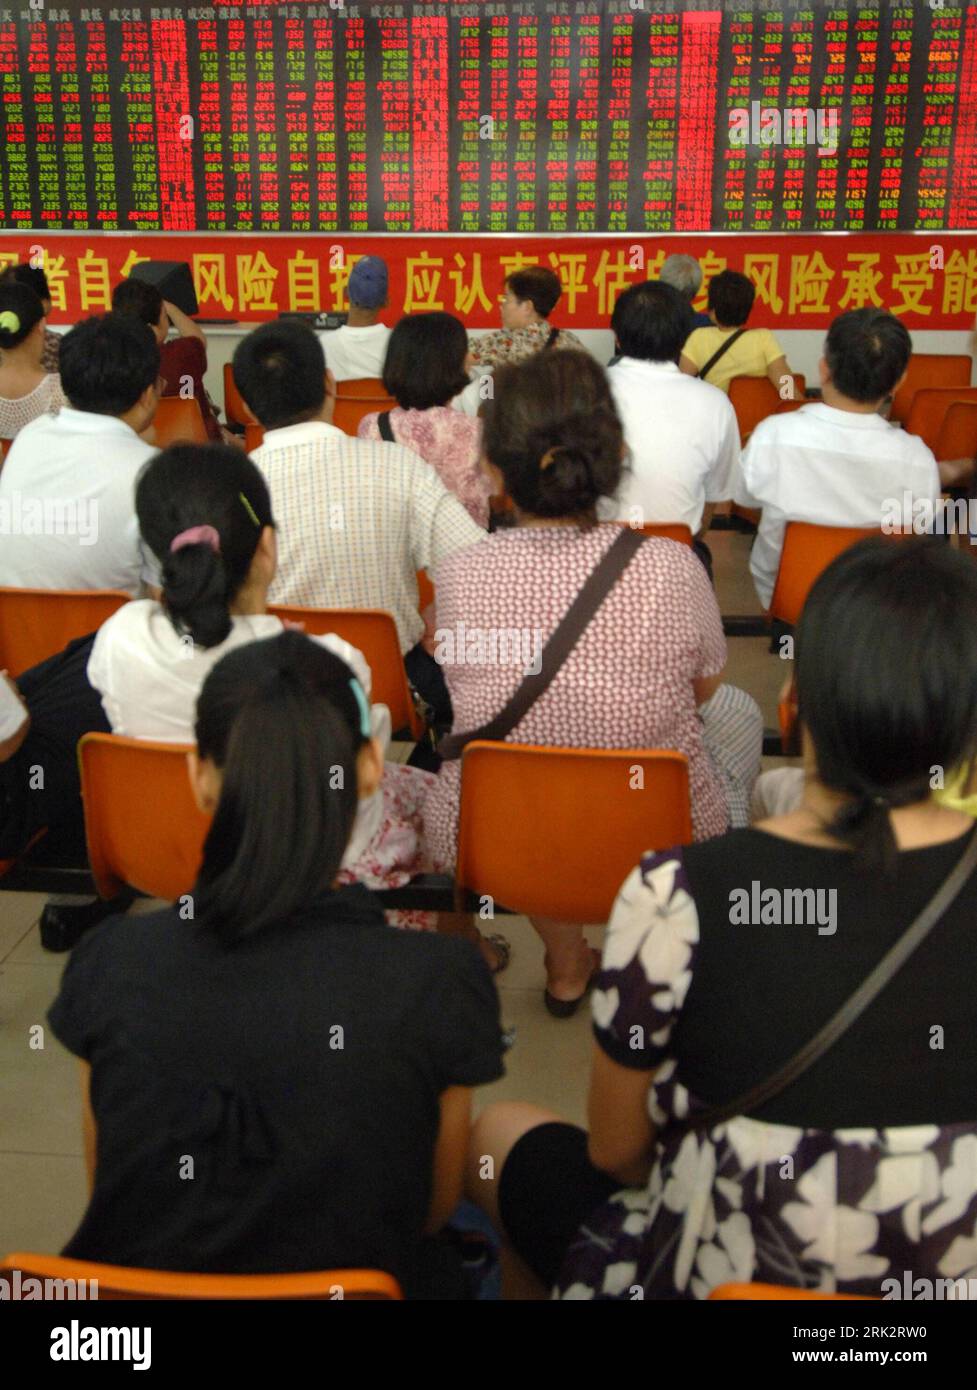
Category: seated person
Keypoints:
(426, 367)
(836, 462)
(182, 360)
(26, 389)
(308, 1068)
(645, 673)
(358, 349)
(35, 279)
(71, 476)
(684, 273)
(358, 518)
(862, 1167)
(682, 437)
(744, 351)
(531, 295)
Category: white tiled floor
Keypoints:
(42, 1182)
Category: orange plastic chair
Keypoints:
(554, 832)
(142, 824)
(4, 448)
(754, 398)
(357, 398)
(179, 421)
(374, 633)
(37, 623)
(929, 369)
(808, 551)
(770, 1292)
(665, 530)
(254, 435)
(234, 407)
(929, 409)
(118, 1282)
(957, 438)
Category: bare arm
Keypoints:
(621, 1135)
(183, 323)
(450, 1154)
(704, 687)
(688, 366)
(776, 372)
(88, 1132)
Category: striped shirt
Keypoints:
(357, 519)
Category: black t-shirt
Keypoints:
(273, 1105)
(759, 992)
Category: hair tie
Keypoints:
(366, 725)
(197, 535)
(10, 321)
(249, 509)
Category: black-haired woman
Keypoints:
(205, 513)
(425, 369)
(27, 390)
(723, 960)
(282, 1082)
(646, 672)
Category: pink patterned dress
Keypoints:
(450, 442)
(626, 684)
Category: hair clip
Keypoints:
(249, 509)
(547, 460)
(10, 321)
(197, 535)
(366, 724)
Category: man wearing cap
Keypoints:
(359, 348)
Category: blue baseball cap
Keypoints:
(368, 283)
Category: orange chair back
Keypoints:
(665, 530)
(754, 398)
(142, 824)
(254, 436)
(957, 438)
(119, 1282)
(929, 409)
(234, 408)
(179, 421)
(374, 633)
(37, 623)
(808, 551)
(354, 399)
(769, 1292)
(929, 369)
(4, 448)
(554, 832)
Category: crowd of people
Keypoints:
(317, 1063)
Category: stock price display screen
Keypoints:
(550, 116)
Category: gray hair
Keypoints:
(683, 273)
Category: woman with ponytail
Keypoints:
(646, 671)
(27, 390)
(854, 1169)
(205, 513)
(273, 1080)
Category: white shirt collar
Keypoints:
(289, 436)
(644, 365)
(850, 419)
(89, 422)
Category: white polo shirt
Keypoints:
(829, 467)
(683, 442)
(357, 518)
(352, 353)
(67, 504)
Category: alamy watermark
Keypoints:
(924, 516)
(794, 125)
(788, 907)
(490, 646)
(50, 516)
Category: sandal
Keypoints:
(566, 1008)
(503, 952)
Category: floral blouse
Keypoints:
(829, 1210)
(516, 344)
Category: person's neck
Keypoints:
(250, 601)
(23, 366)
(917, 826)
(362, 318)
(527, 519)
(834, 398)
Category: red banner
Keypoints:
(928, 279)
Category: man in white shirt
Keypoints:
(67, 488)
(681, 433)
(359, 348)
(837, 462)
(356, 518)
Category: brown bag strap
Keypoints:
(720, 352)
(853, 1007)
(385, 427)
(565, 637)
